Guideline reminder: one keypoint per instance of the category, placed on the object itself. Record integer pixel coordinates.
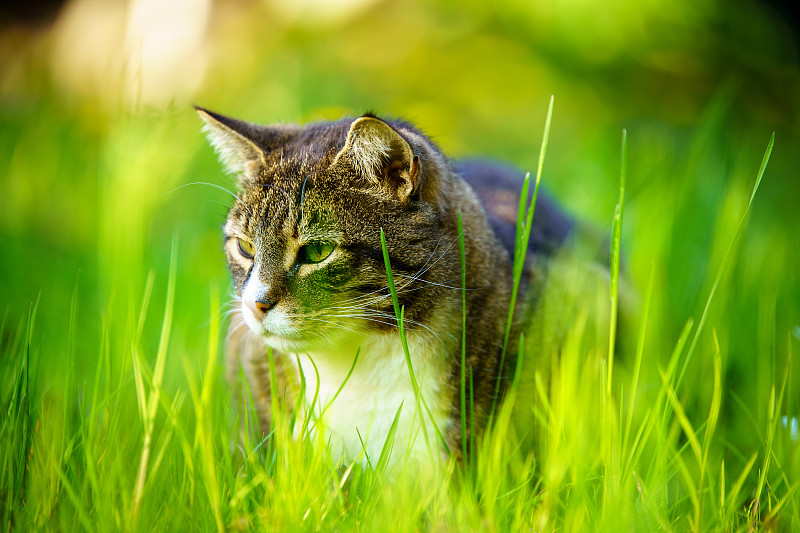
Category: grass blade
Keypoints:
(158, 376)
(616, 245)
(524, 224)
(398, 311)
(725, 260)
(463, 376)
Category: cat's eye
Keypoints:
(315, 252)
(246, 248)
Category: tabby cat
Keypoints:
(303, 242)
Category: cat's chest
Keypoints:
(357, 412)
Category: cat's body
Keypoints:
(303, 244)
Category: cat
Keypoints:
(303, 243)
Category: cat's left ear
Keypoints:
(236, 143)
(382, 155)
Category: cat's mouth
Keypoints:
(284, 343)
(276, 339)
(281, 337)
(282, 333)
(273, 327)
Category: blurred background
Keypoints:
(98, 142)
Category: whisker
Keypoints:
(220, 187)
(424, 269)
(438, 242)
(414, 278)
(338, 325)
(302, 197)
(271, 186)
(373, 315)
(366, 294)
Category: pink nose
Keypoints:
(261, 307)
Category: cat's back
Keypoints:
(498, 187)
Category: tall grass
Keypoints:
(116, 415)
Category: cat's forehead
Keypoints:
(298, 186)
(313, 147)
(295, 200)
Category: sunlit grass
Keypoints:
(117, 415)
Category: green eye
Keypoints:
(315, 252)
(246, 248)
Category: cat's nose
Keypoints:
(263, 305)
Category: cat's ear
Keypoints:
(235, 142)
(381, 154)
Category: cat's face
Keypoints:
(305, 273)
(288, 265)
(303, 238)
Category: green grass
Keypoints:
(117, 415)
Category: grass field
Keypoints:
(116, 414)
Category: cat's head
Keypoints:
(303, 237)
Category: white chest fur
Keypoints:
(367, 404)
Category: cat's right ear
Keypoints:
(235, 144)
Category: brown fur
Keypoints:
(350, 178)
